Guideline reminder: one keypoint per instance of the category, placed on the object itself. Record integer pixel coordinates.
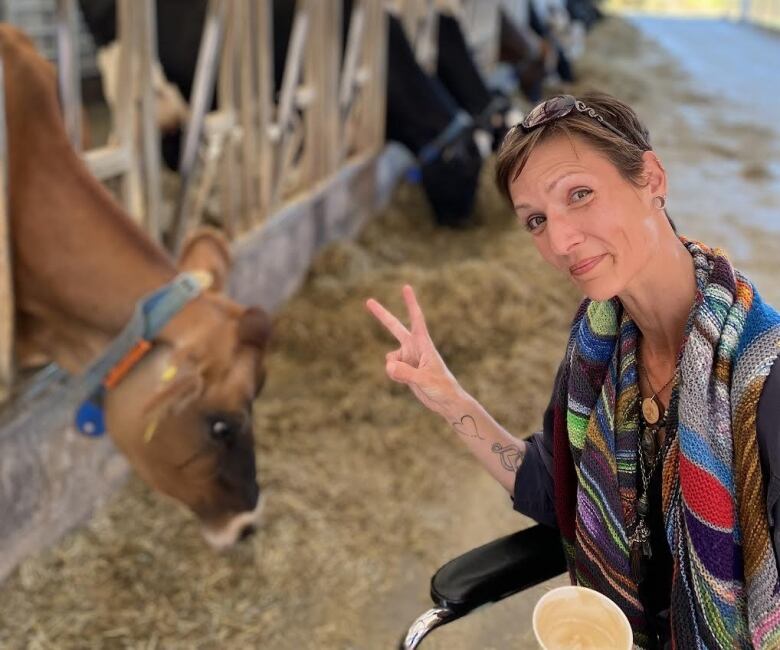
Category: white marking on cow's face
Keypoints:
(226, 536)
(484, 142)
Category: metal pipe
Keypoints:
(424, 625)
(6, 266)
(69, 69)
(200, 104)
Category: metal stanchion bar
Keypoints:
(200, 104)
(6, 268)
(146, 27)
(69, 69)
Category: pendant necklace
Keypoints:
(651, 410)
(654, 419)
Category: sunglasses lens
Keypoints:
(552, 109)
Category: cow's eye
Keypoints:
(222, 429)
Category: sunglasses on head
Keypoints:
(560, 106)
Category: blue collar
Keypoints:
(152, 313)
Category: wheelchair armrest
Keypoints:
(498, 569)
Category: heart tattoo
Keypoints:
(467, 427)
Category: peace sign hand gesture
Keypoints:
(417, 363)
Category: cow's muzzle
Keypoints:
(237, 528)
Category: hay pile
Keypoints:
(367, 493)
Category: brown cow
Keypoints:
(182, 415)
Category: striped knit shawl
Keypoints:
(725, 577)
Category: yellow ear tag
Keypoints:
(149, 433)
(204, 278)
(169, 373)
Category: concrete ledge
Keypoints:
(52, 478)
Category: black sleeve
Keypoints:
(533, 493)
(768, 431)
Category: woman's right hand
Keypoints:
(417, 363)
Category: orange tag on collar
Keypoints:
(118, 372)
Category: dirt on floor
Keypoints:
(367, 494)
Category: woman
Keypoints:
(660, 456)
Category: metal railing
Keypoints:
(257, 151)
(7, 365)
(133, 153)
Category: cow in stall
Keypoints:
(526, 52)
(179, 28)
(80, 264)
(551, 20)
(491, 110)
(419, 108)
(419, 111)
(585, 11)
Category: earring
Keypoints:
(659, 202)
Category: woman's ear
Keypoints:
(654, 173)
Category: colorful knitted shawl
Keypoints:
(725, 577)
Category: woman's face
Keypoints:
(585, 218)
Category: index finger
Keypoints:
(393, 325)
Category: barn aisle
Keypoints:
(366, 493)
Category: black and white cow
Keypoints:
(457, 70)
(423, 116)
(585, 11)
(526, 51)
(538, 19)
(179, 30)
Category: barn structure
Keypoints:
(289, 172)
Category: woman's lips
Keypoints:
(586, 265)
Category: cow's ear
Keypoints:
(207, 249)
(254, 327)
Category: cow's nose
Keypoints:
(246, 532)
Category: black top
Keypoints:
(656, 587)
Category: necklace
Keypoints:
(649, 460)
(651, 409)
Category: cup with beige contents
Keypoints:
(577, 618)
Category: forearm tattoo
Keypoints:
(467, 427)
(511, 456)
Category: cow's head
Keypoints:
(451, 181)
(183, 416)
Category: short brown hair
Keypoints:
(625, 154)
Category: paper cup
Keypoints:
(577, 618)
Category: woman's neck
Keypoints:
(659, 301)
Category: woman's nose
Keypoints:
(562, 235)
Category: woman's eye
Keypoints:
(534, 222)
(579, 195)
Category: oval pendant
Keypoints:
(650, 410)
(648, 443)
(643, 506)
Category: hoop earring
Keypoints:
(659, 202)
